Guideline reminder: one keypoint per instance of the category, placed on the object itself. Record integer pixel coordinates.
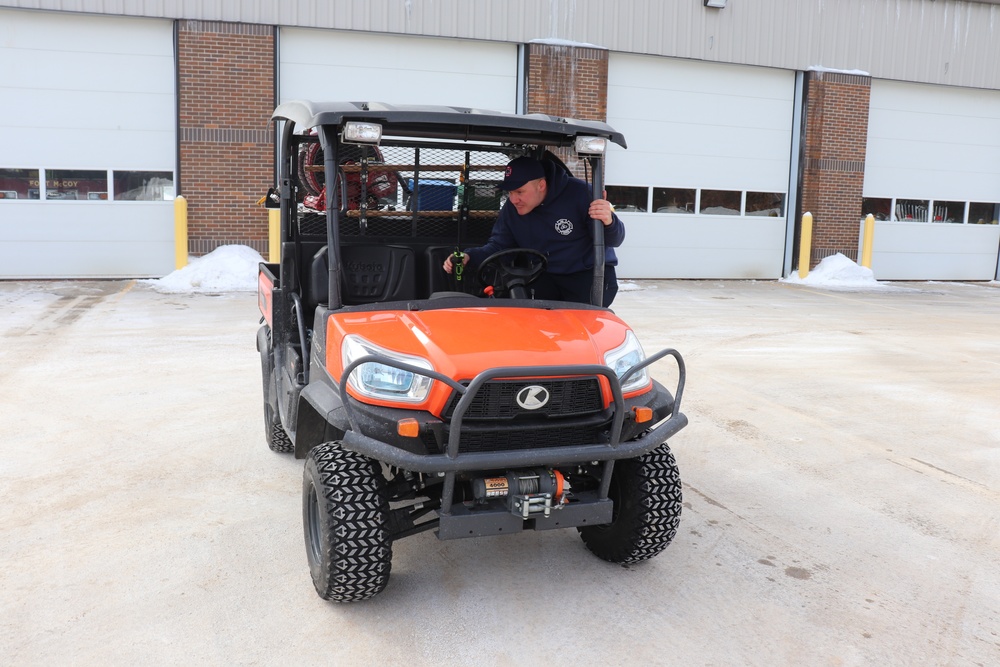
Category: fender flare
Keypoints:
(321, 417)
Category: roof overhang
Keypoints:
(444, 122)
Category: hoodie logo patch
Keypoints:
(564, 226)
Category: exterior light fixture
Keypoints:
(591, 145)
(717, 4)
(361, 133)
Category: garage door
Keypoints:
(331, 65)
(932, 180)
(702, 186)
(88, 134)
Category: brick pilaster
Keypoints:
(569, 81)
(836, 139)
(226, 96)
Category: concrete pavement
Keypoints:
(841, 475)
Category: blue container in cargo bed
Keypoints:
(434, 195)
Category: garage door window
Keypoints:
(930, 210)
(767, 204)
(76, 184)
(674, 200)
(948, 211)
(18, 184)
(86, 185)
(627, 198)
(688, 201)
(720, 202)
(877, 207)
(983, 214)
(911, 210)
(143, 185)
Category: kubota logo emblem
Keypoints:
(532, 397)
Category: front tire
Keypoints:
(647, 509)
(345, 511)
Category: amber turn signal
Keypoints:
(642, 414)
(408, 428)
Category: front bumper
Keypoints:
(458, 520)
(455, 460)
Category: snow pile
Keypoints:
(629, 286)
(228, 268)
(837, 272)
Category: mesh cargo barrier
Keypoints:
(439, 195)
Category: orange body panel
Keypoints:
(264, 288)
(462, 342)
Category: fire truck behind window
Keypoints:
(87, 185)
(18, 184)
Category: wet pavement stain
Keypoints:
(798, 573)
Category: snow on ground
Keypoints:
(228, 268)
(839, 272)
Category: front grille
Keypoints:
(573, 415)
(521, 438)
(568, 397)
(494, 441)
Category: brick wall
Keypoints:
(834, 171)
(226, 96)
(570, 81)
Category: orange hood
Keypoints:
(462, 342)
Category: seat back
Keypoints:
(369, 273)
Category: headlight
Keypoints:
(591, 145)
(382, 381)
(624, 357)
(357, 132)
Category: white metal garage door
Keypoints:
(932, 179)
(88, 134)
(702, 185)
(332, 65)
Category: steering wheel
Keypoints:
(514, 269)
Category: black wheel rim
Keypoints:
(312, 525)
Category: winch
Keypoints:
(527, 492)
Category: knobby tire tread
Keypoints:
(648, 500)
(357, 554)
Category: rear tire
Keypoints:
(274, 432)
(647, 509)
(277, 440)
(345, 511)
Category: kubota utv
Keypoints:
(457, 403)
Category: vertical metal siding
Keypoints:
(950, 42)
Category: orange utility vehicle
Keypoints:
(422, 400)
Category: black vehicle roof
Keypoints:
(446, 122)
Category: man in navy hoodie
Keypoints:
(549, 211)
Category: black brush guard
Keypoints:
(590, 508)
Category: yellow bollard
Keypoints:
(274, 235)
(180, 232)
(866, 244)
(805, 244)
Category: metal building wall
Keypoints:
(951, 42)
